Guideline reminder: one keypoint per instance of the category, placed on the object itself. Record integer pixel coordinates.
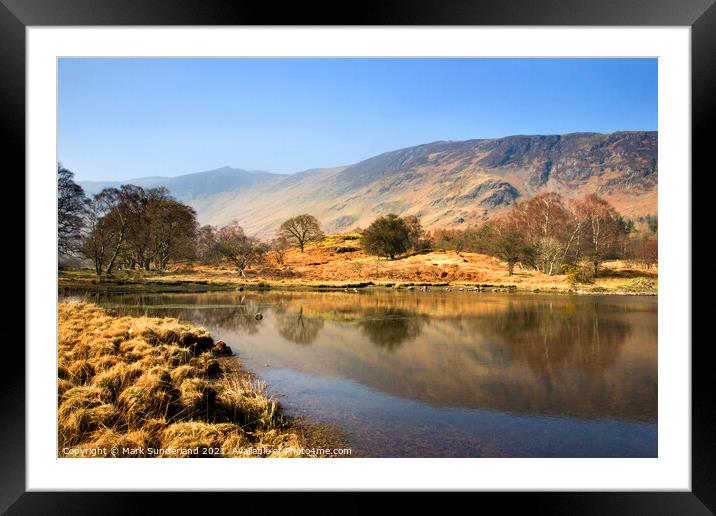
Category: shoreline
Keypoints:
(130, 286)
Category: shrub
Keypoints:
(578, 273)
(387, 236)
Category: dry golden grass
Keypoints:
(323, 265)
(129, 385)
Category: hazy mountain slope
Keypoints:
(93, 187)
(194, 186)
(456, 183)
(444, 183)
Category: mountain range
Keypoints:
(445, 183)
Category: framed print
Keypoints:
(417, 249)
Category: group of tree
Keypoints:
(128, 227)
(230, 243)
(135, 228)
(546, 233)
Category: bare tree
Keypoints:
(547, 226)
(135, 205)
(279, 246)
(418, 238)
(234, 245)
(205, 243)
(71, 211)
(548, 251)
(98, 239)
(455, 239)
(108, 222)
(173, 230)
(124, 205)
(643, 248)
(301, 230)
(509, 244)
(600, 225)
(133, 227)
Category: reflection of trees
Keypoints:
(296, 327)
(241, 318)
(390, 327)
(581, 335)
(226, 311)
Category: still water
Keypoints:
(445, 374)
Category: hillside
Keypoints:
(446, 183)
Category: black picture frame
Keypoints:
(17, 15)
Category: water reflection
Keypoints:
(590, 357)
(587, 336)
(389, 327)
(296, 327)
(240, 319)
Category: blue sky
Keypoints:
(128, 118)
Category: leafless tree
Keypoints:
(133, 227)
(234, 245)
(279, 246)
(600, 228)
(301, 230)
(547, 226)
(205, 243)
(99, 237)
(173, 230)
(71, 211)
(417, 236)
(509, 244)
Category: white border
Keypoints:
(672, 468)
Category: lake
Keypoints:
(444, 374)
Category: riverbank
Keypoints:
(152, 387)
(431, 270)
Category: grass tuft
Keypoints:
(135, 383)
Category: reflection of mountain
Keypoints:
(587, 357)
